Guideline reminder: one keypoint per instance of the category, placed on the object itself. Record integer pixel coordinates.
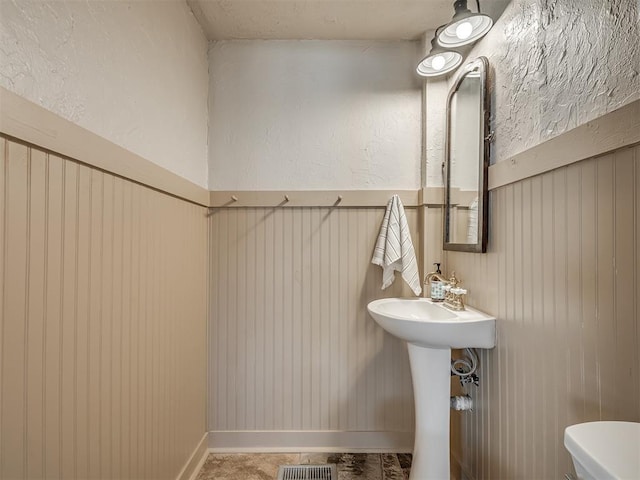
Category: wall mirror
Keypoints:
(467, 160)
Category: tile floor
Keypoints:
(264, 466)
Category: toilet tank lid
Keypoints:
(608, 450)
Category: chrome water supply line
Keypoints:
(465, 368)
(462, 403)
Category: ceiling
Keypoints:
(327, 19)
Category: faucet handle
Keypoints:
(454, 281)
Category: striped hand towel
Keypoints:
(394, 249)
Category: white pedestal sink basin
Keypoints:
(431, 330)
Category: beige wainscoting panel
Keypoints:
(431, 240)
(292, 346)
(562, 275)
(103, 322)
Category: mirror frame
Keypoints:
(481, 64)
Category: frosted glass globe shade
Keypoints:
(464, 30)
(438, 62)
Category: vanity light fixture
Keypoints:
(465, 27)
(439, 61)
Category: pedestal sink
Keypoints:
(431, 331)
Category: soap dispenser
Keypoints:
(437, 283)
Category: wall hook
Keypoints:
(234, 198)
(286, 198)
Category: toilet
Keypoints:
(604, 450)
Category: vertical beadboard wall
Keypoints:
(103, 323)
(292, 346)
(562, 275)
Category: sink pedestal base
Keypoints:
(430, 372)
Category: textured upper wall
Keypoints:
(557, 65)
(314, 115)
(132, 72)
(554, 65)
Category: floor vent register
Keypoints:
(308, 472)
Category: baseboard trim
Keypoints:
(310, 441)
(196, 460)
